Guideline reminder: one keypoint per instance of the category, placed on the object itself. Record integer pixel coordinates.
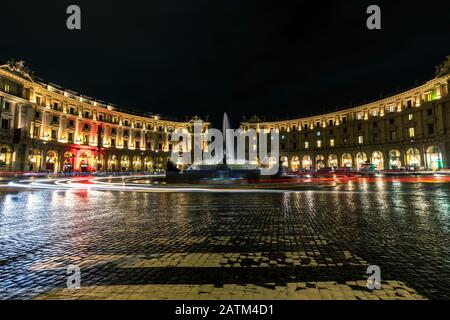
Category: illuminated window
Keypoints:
(306, 145)
(360, 139)
(7, 88)
(429, 96)
(318, 133)
(374, 113)
(412, 132)
(319, 144)
(391, 109)
(411, 117)
(359, 116)
(332, 143)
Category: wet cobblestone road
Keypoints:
(306, 245)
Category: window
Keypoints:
(7, 88)
(410, 117)
(294, 128)
(393, 135)
(113, 131)
(85, 126)
(137, 144)
(55, 119)
(331, 122)
(70, 137)
(100, 117)
(430, 112)
(430, 128)
(375, 138)
(36, 131)
(113, 142)
(125, 144)
(5, 124)
(360, 139)
(359, 116)
(305, 126)
(332, 143)
(283, 146)
(70, 124)
(55, 105)
(375, 124)
(160, 128)
(331, 132)
(54, 134)
(306, 145)
(374, 113)
(7, 106)
(409, 104)
(125, 133)
(72, 110)
(127, 123)
(86, 114)
(412, 132)
(345, 130)
(160, 146)
(319, 143)
(344, 119)
(391, 121)
(294, 145)
(428, 96)
(85, 139)
(391, 109)
(318, 124)
(359, 127)
(318, 133)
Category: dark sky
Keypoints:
(272, 58)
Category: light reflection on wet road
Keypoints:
(311, 236)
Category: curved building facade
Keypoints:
(47, 128)
(410, 129)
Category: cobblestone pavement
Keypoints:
(305, 245)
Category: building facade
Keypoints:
(410, 129)
(47, 128)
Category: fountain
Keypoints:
(218, 172)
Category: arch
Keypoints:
(434, 158)
(306, 162)
(361, 158)
(84, 163)
(284, 162)
(395, 161)
(347, 160)
(51, 161)
(377, 159)
(413, 158)
(112, 163)
(137, 163)
(68, 161)
(124, 163)
(148, 164)
(320, 162)
(333, 161)
(295, 163)
(34, 160)
(5, 157)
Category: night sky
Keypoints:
(271, 58)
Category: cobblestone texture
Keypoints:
(307, 245)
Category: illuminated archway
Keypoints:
(361, 158)
(434, 158)
(137, 163)
(285, 162)
(5, 157)
(347, 160)
(125, 163)
(68, 164)
(112, 163)
(34, 160)
(333, 161)
(295, 163)
(395, 161)
(306, 162)
(148, 164)
(378, 160)
(413, 158)
(51, 161)
(320, 162)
